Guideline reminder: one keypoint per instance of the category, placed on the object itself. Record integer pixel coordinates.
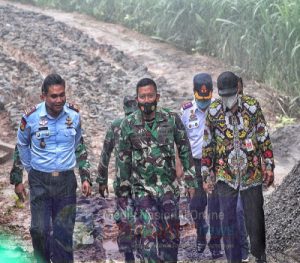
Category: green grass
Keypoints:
(261, 37)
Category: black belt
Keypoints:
(197, 160)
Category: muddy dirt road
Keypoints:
(101, 63)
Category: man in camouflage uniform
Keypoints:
(123, 217)
(147, 173)
(16, 173)
(236, 147)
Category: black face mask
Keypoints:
(147, 108)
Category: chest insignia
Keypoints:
(69, 122)
(43, 122)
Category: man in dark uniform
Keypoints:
(123, 215)
(47, 138)
(193, 117)
(146, 160)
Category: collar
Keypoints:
(195, 107)
(239, 102)
(44, 113)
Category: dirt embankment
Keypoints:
(101, 63)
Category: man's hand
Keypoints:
(102, 188)
(208, 187)
(268, 178)
(86, 188)
(191, 192)
(20, 191)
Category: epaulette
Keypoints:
(73, 107)
(30, 110)
(186, 105)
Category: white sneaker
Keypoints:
(245, 259)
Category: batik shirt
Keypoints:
(236, 144)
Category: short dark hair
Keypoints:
(52, 79)
(145, 82)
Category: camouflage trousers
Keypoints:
(153, 227)
(124, 217)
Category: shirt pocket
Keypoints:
(164, 157)
(42, 134)
(69, 132)
(166, 149)
(193, 125)
(140, 148)
(66, 136)
(39, 136)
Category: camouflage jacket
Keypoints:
(236, 146)
(16, 173)
(111, 142)
(146, 156)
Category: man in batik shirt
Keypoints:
(236, 147)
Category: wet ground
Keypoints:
(101, 63)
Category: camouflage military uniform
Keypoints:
(124, 213)
(16, 173)
(111, 140)
(147, 174)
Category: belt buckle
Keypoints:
(55, 173)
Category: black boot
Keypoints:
(261, 259)
(129, 257)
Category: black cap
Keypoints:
(227, 84)
(203, 84)
(129, 104)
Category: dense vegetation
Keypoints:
(259, 37)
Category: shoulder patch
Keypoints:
(29, 111)
(73, 107)
(23, 124)
(186, 105)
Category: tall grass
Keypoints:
(261, 37)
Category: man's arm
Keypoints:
(265, 147)
(16, 173)
(78, 135)
(108, 146)
(185, 153)
(208, 155)
(22, 157)
(16, 176)
(84, 174)
(82, 161)
(23, 143)
(124, 161)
